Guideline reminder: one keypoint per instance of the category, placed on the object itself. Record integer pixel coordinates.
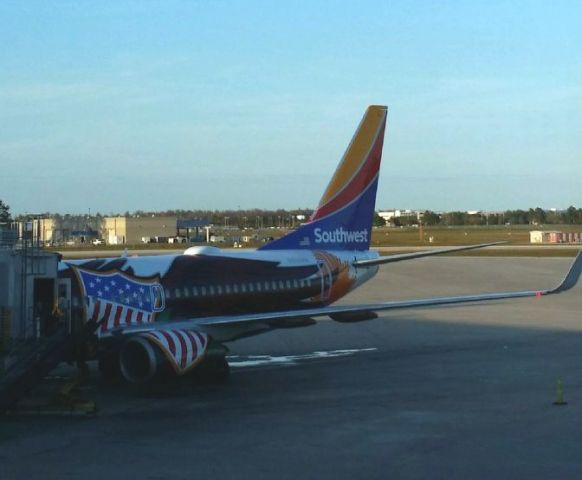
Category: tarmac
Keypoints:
(444, 393)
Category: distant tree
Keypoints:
(378, 220)
(517, 217)
(431, 218)
(4, 212)
(475, 219)
(571, 215)
(537, 216)
(495, 219)
(553, 217)
(408, 220)
(454, 218)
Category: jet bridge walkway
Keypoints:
(34, 360)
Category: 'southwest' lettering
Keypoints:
(339, 235)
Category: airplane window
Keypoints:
(267, 286)
(243, 288)
(281, 284)
(235, 288)
(219, 289)
(186, 292)
(288, 284)
(211, 288)
(168, 293)
(227, 288)
(203, 290)
(251, 287)
(259, 288)
(194, 292)
(295, 283)
(274, 285)
(177, 293)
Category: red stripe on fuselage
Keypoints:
(117, 319)
(106, 315)
(96, 308)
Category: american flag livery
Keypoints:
(119, 299)
(184, 349)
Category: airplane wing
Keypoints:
(424, 253)
(345, 311)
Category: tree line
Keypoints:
(533, 216)
(281, 218)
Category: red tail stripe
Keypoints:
(357, 185)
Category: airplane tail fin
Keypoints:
(343, 218)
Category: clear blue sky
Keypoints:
(126, 105)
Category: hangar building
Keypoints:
(133, 230)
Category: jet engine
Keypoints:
(162, 352)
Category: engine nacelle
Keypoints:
(150, 354)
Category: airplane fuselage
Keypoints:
(205, 281)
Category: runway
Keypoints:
(452, 393)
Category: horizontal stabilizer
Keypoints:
(424, 253)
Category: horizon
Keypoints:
(269, 212)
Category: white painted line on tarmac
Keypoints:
(243, 361)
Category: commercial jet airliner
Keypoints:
(172, 314)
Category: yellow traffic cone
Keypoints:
(560, 392)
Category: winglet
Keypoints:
(571, 277)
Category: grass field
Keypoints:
(515, 235)
(516, 238)
(441, 236)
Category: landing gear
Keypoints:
(109, 365)
(213, 371)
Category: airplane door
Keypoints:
(64, 301)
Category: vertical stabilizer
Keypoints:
(343, 218)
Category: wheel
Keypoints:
(109, 365)
(212, 371)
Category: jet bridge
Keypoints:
(35, 331)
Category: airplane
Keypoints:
(171, 315)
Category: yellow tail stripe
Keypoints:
(356, 152)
